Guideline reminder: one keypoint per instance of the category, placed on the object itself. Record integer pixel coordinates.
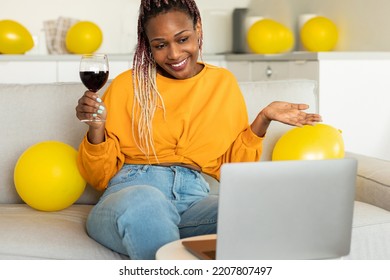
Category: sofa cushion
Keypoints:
(370, 233)
(30, 234)
(373, 181)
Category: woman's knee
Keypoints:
(128, 220)
(137, 203)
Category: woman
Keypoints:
(167, 120)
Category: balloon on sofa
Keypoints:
(320, 141)
(14, 38)
(46, 176)
(268, 36)
(319, 34)
(84, 37)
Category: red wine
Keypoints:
(94, 80)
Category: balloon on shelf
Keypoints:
(14, 38)
(47, 178)
(319, 34)
(319, 141)
(268, 36)
(84, 37)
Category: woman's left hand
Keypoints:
(284, 112)
(289, 113)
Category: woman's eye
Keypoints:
(182, 40)
(160, 46)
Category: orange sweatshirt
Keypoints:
(205, 124)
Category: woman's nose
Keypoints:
(174, 52)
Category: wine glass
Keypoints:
(94, 74)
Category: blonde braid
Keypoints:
(146, 99)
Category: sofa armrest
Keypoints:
(373, 180)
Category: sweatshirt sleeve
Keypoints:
(99, 163)
(247, 147)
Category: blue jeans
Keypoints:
(147, 206)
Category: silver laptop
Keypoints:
(286, 209)
(283, 210)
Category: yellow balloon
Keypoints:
(47, 178)
(319, 34)
(14, 38)
(320, 141)
(267, 36)
(83, 37)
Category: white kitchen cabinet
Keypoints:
(37, 69)
(68, 71)
(242, 70)
(117, 67)
(246, 71)
(15, 72)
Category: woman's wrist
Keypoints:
(96, 135)
(260, 124)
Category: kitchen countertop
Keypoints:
(75, 57)
(222, 56)
(308, 56)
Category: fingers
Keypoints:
(303, 118)
(90, 106)
(290, 113)
(300, 119)
(310, 119)
(299, 106)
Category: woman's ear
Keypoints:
(198, 28)
(199, 33)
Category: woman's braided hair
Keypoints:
(146, 95)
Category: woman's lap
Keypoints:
(145, 207)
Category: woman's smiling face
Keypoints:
(174, 42)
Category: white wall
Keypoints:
(117, 19)
(353, 97)
(362, 24)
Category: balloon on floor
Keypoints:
(46, 176)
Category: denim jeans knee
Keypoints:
(134, 221)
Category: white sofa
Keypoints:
(34, 113)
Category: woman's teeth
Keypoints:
(179, 64)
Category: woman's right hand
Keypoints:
(91, 106)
